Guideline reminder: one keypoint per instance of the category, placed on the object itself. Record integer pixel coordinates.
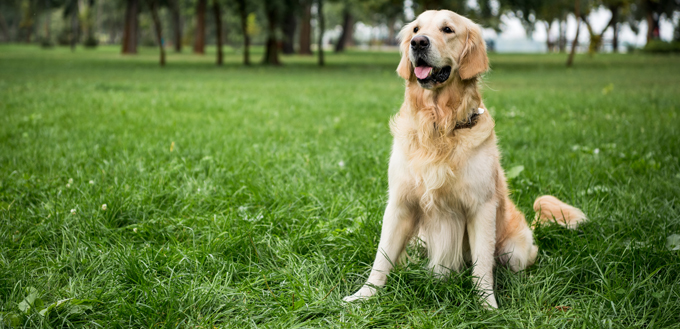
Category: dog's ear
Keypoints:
(473, 60)
(405, 69)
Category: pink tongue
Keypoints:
(423, 71)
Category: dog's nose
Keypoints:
(420, 42)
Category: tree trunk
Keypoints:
(130, 28)
(218, 26)
(347, 29)
(243, 14)
(548, 43)
(27, 20)
(615, 26)
(271, 55)
(153, 6)
(47, 25)
(3, 26)
(199, 37)
(74, 29)
(306, 30)
(562, 44)
(322, 27)
(176, 25)
(577, 13)
(652, 26)
(98, 19)
(595, 38)
(289, 33)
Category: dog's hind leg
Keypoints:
(514, 240)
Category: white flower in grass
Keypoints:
(68, 185)
(73, 211)
(596, 151)
(341, 164)
(134, 230)
(104, 206)
(91, 182)
(70, 180)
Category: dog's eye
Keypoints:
(415, 29)
(447, 30)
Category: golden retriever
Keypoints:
(446, 184)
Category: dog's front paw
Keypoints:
(352, 298)
(490, 303)
(363, 293)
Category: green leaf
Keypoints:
(673, 242)
(24, 306)
(28, 302)
(53, 306)
(79, 309)
(514, 172)
(70, 306)
(298, 303)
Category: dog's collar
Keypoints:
(471, 120)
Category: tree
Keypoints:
(131, 26)
(242, 8)
(596, 37)
(322, 27)
(615, 7)
(577, 14)
(153, 7)
(87, 23)
(289, 26)
(74, 25)
(273, 9)
(218, 26)
(482, 13)
(199, 37)
(3, 27)
(347, 28)
(28, 13)
(388, 12)
(176, 25)
(653, 11)
(306, 28)
(531, 12)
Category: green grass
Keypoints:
(227, 205)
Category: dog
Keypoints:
(446, 184)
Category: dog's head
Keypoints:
(439, 43)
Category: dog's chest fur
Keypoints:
(454, 173)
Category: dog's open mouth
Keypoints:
(426, 73)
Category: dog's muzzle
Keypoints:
(427, 74)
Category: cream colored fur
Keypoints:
(446, 185)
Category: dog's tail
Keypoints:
(550, 209)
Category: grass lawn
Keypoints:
(252, 197)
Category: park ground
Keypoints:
(196, 196)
